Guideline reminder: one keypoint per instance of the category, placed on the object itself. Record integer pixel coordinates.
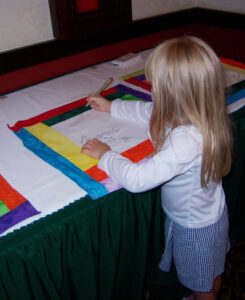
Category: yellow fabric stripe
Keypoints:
(235, 69)
(62, 145)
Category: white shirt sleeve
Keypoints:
(136, 111)
(177, 156)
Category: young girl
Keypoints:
(191, 133)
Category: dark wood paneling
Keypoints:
(37, 54)
(231, 25)
(227, 42)
(37, 73)
(220, 18)
(70, 24)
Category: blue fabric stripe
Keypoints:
(91, 186)
(235, 97)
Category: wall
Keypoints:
(144, 8)
(24, 23)
(27, 22)
(237, 6)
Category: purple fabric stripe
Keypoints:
(140, 77)
(135, 93)
(110, 184)
(23, 211)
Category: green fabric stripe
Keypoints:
(235, 87)
(114, 96)
(76, 111)
(67, 115)
(125, 77)
(3, 208)
(131, 97)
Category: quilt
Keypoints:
(56, 136)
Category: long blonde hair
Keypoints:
(188, 87)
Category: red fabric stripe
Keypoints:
(55, 112)
(139, 83)
(48, 114)
(232, 63)
(108, 92)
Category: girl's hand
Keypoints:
(95, 148)
(99, 103)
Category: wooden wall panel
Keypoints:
(71, 21)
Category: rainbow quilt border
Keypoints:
(234, 92)
(93, 180)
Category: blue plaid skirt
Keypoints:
(198, 253)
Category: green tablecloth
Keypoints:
(88, 250)
(234, 182)
(104, 249)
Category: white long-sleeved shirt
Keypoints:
(177, 168)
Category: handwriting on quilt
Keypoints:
(106, 136)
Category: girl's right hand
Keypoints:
(99, 103)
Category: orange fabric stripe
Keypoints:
(9, 196)
(96, 173)
(140, 151)
(135, 154)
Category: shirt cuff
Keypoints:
(102, 161)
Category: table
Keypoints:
(85, 249)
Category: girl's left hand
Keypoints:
(95, 148)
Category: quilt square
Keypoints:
(235, 76)
(14, 208)
(138, 78)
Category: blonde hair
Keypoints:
(188, 87)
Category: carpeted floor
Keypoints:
(233, 283)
